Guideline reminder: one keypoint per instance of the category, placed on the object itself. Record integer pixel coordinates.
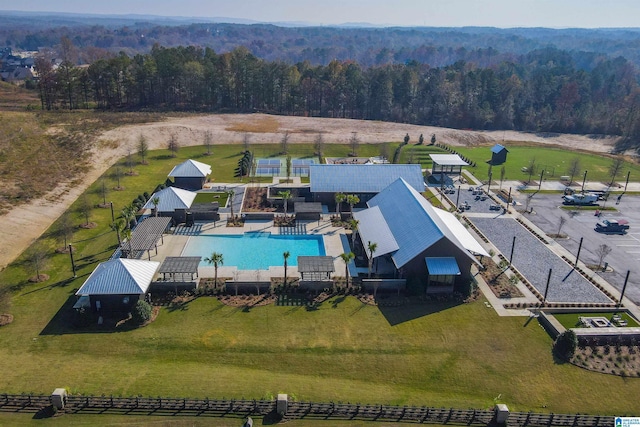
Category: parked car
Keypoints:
(612, 226)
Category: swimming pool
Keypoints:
(255, 251)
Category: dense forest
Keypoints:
(438, 47)
(542, 91)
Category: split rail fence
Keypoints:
(295, 410)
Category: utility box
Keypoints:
(281, 404)
(501, 413)
(59, 397)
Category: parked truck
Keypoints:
(580, 199)
(612, 226)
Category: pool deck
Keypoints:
(175, 243)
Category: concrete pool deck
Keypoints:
(175, 243)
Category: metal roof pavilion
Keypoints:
(448, 160)
(353, 178)
(315, 264)
(181, 265)
(172, 198)
(189, 169)
(120, 277)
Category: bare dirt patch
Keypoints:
(5, 319)
(26, 222)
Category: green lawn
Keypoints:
(570, 320)
(463, 356)
(554, 161)
(221, 198)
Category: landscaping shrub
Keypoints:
(565, 345)
(141, 312)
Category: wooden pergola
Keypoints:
(145, 236)
(173, 265)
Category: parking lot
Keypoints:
(473, 199)
(625, 248)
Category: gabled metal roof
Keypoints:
(498, 148)
(190, 169)
(373, 228)
(448, 160)
(362, 178)
(172, 198)
(415, 224)
(120, 277)
(441, 266)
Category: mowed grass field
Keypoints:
(436, 355)
(553, 160)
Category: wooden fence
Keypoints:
(295, 410)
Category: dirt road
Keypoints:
(27, 222)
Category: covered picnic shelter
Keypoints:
(450, 164)
(116, 285)
(145, 237)
(315, 268)
(180, 267)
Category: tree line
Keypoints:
(541, 91)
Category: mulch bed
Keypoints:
(39, 278)
(255, 200)
(622, 361)
(499, 283)
(247, 300)
(89, 225)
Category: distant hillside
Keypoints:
(319, 45)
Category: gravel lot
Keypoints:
(533, 259)
(625, 249)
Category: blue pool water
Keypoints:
(255, 251)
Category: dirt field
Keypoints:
(27, 222)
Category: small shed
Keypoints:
(190, 175)
(498, 154)
(116, 285)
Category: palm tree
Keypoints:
(156, 202)
(353, 224)
(372, 248)
(129, 214)
(340, 197)
(352, 199)
(118, 226)
(127, 235)
(231, 193)
(286, 195)
(286, 256)
(347, 257)
(217, 260)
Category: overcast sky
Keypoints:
(454, 13)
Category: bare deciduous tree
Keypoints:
(36, 257)
(614, 169)
(602, 252)
(532, 168)
(354, 142)
(173, 145)
(208, 141)
(574, 168)
(284, 143)
(561, 222)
